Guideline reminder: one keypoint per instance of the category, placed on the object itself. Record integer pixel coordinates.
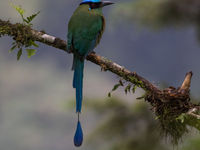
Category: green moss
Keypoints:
(173, 118)
(21, 34)
(136, 82)
(173, 128)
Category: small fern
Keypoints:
(27, 21)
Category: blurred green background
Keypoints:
(159, 39)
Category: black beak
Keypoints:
(106, 3)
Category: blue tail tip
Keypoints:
(78, 137)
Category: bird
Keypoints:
(85, 30)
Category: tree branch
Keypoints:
(19, 32)
(40, 36)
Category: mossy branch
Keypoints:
(168, 104)
(21, 33)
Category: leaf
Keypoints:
(19, 54)
(12, 48)
(34, 44)
(30, 52)
(139, 98)
(19, 9)
(24, 20)
(116, 87)
(109, 94)
(121, 83)
(128, 89)
(30, 18)
(31, 43)
(134, 88)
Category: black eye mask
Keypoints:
(95, 5)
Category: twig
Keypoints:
(186, 83)
(192, 112)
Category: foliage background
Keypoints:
(37, 99)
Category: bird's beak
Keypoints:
(105, 3)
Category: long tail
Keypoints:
(78, 66)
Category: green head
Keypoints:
(96, 3)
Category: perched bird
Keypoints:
(85, 30)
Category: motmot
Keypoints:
(85, 30)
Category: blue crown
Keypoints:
(94, 1)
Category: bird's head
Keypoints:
(96, 3)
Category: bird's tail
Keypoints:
(78, 66)
(78, 137)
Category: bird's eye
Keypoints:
(92, 6)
